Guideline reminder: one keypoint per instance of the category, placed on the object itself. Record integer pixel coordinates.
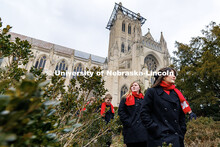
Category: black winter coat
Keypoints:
(163, 118)
(133, 129)
(108, 115)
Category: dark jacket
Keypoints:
(108, 115)
(133, 129)
(163, 118)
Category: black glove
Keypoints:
(192, 115)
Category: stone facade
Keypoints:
(51, 57)
(128, 51)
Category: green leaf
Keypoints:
(4, 97)
(4, 100)
(44, 83)
(51, 112)
(52, 102)
(5, 112)
(66, 130)
(11, 137)
(71, 121)
(77, 125)
(30, 76)
(51, 135)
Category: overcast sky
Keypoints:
(80, 24)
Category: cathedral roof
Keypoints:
(85, 55)
(57, 48)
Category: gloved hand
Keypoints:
(192, 115)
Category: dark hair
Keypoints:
(159, 78)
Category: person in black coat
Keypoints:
(163, 111)
(129, 110)
(107, 113)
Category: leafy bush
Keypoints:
(203, 131)
(38, 112)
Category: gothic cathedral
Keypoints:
(128, 51)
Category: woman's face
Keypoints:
(170, 79)
(135, 87)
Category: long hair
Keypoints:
(129, 92)
(159, 78)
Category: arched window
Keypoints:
(124, 89)
(123, 26)
(129, 47)
(129, 29)
(150, 62)
(40, 63)
(78, 69)
(122, 48)
(61, 66)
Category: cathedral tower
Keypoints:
(129, 51)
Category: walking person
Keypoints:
(163, 111)
(134, 133)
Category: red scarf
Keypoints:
(103, 106)
(130, 100)
(184, 104)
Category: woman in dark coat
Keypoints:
(163, 111)
(134, 133)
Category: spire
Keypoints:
(162, 38)
(106, 64)
(148, 35)
(106, 60)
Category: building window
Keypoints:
(61, 66)
(128, 65)
(122, 48)
(129, 47)
(129, 29)
(123, 27)
(40, 63)
(124, 89)
(78, 68)
(150, 62)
